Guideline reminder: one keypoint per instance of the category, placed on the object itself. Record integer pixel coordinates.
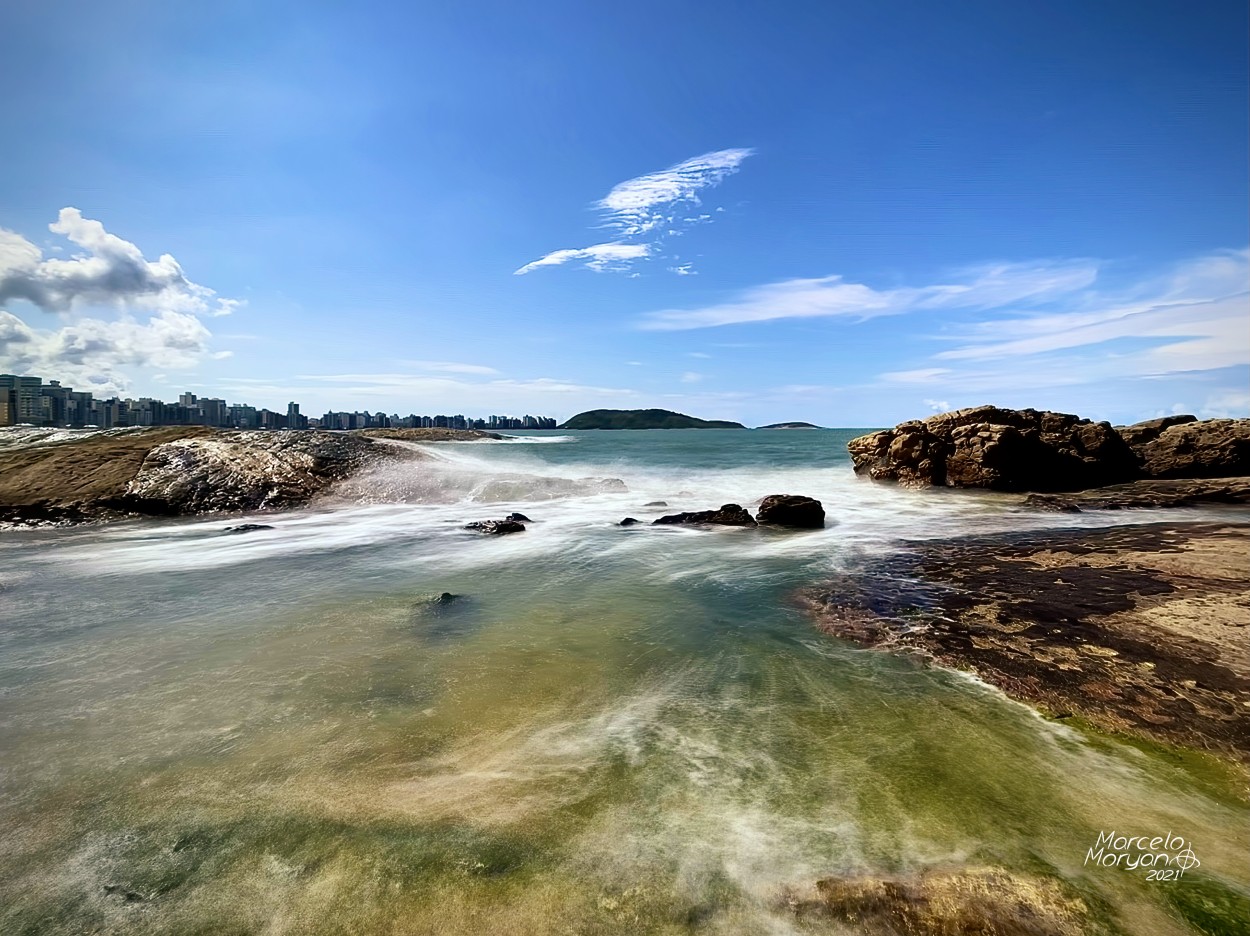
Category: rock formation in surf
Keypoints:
(1029, 450)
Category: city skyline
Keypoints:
(28, 400)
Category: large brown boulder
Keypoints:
(791, 510)
(727, 515)
(1001, 449)
(1143, 432)
(1212, 448)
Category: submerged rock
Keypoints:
(791, 510)
(496, 527)
(247, 528)
(727, 515)
(540, 488)
(1001, 449)
(947, 902)
(629, 521)
(656, 504)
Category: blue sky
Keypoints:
(850, 213)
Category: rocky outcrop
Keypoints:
(1148, 493)
(243, 471)
(791, 510)
(176, 471)
(1143, 432)
(629, 521)
(496, 527)
(727, 515)
(1137, 629)
(1000, 449)
(1212, 448)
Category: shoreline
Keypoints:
(1138, 629)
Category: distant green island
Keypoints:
(644, 419)
(791, 425)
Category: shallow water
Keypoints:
(612, 730)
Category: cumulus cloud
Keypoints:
(601, 258)
(831, 296)
(157, 309)
(96, 353)
(649, 205)
(108, 271)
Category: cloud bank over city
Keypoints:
(156, 311)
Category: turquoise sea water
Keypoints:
(611, 730)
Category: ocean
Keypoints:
(606, 730)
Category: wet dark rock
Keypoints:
(726, 515)
(496, 527)
(247, 528)
(446, 598)
(1149, 493)
(791, 510)
(656, 504)
(1000, 449)
(1137, 629)
(629, 521)
(518, 518)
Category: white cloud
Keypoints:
(109, 271)
(1231, 405)
(648, 205)
(1193, 319)
(698, 354)
(157, 309)
(685, 269)
(95, 353)
(450, 367)
(640, 205)
(601, 258)
(691, 377)
(938, 406)
(831, 296)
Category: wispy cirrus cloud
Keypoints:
(645, 203)
(1193, 319)
(602, 258)
(648, 206)
(983, 287)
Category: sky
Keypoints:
(850, 213)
